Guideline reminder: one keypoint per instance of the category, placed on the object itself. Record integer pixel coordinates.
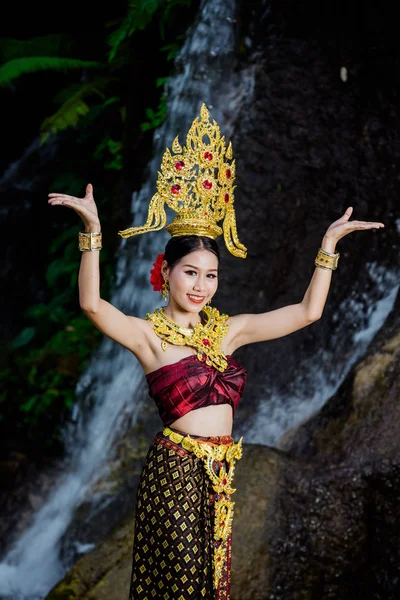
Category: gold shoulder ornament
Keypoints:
(206, 338)
(196, 181)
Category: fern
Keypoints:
(156, 118)
(18, 66)
(139, 16)
(72, 108)
(48, 45)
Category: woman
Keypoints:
(184, 511)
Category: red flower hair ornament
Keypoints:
(156, 278)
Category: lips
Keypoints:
(196, 299)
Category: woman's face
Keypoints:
(193, 281)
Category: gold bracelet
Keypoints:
(90, 241)
(327, 260)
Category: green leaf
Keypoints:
(19, 66)
(156, 118)
(139, 16)
(56, 268)
(59, 315)
(171, 49)
(68, 235)
(73, 108)
(29, 404)
(160, 81)
(36, 311)
(47, 45)
(23, 338)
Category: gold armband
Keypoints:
(90, 241)
(326, 260)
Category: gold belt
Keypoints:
(221, 484)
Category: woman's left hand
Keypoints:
(343, 226)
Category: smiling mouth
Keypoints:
(197, 299)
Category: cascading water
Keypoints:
(33, 565)
(278, 414)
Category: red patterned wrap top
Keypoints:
(190, 383)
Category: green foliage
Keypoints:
(139, 16)
(47, 45)
(157, 117)
(18, 66)
(47, 357)
(72, 108)
(110, 151)
(172, 49)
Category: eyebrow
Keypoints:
(197, 268)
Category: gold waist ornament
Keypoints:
(221, 484)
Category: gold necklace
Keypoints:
(205, 338)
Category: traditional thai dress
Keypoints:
(183, 523)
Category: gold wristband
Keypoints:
(326, 260)
(90, 241)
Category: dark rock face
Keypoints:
(360, 423)
(308, 145)
(339, 500)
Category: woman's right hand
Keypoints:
(85, 207)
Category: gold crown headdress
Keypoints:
(197, 183)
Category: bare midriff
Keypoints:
(206, 421)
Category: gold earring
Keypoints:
(165, 289)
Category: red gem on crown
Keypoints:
(228, 173)
(224, 481)
(208, 156)
(226, 197)
(179, 165)
(207, 184)
(176, 188)
(206, 342)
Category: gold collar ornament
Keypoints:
(205, 338)
(197, 183)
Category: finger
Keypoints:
(89, 189)
(348, 213)
(365, 225)
(61, 196)
(59, 202)
(67, 202)
(373, 225)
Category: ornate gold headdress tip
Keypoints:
(196, 181)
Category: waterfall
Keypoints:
(110, 387)
(277, 414)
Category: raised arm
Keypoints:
(248, 328)
(126, 330)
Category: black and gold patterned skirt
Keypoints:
(183, 524)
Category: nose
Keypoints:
(199, 285)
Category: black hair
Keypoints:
(179, 246)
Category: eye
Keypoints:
(212, 276)
(190, 272)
